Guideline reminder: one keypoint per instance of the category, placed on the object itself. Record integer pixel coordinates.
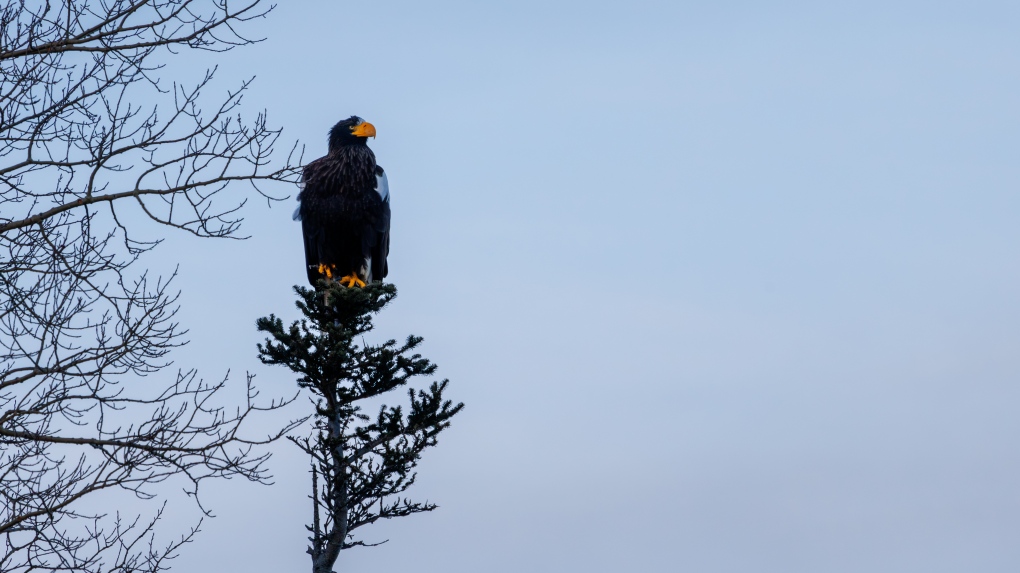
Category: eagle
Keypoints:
(344, 209)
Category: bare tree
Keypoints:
(96, 156)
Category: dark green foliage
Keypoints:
(364, 463)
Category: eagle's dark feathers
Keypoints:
(345, 207)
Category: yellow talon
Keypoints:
(352, 280)
(326, 270)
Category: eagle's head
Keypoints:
(351, 131)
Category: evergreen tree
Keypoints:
(360, 464)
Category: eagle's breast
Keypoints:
(340, 187)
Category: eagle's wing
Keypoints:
(313, 238)
(381, 248)
(312, 235)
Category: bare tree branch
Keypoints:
(97, 157)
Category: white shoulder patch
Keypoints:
(297, 212)
(382, 186)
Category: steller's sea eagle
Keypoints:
(344, 209)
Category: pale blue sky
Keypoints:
(726, 287)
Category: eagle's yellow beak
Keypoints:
(364, 129)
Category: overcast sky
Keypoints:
(725, 287)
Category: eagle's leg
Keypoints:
(327, 271)
(352, 280)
